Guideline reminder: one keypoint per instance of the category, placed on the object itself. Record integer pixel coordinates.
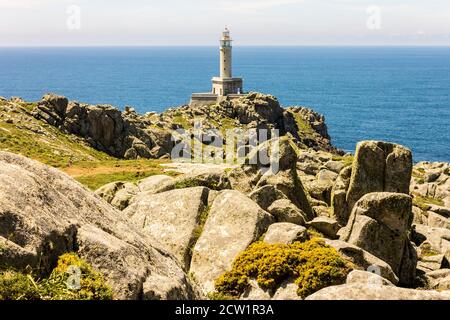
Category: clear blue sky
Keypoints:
(199, 22)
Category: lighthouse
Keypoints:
(225, 54)
(224, 87)
(226, 84)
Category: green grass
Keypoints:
(98, 173)
(182, 121)
(53, 147)
(424, 203)
(347, 160)
(66, 152)
(419, 175)
(15, 285)
(198, 229)
(302, 125)
(427, 251)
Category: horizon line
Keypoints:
(213, 46)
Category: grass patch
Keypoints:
(303, 125)
(424, 203)
(59, 285)
(98, 173)
(313, 264)
(219, 296)
(419, 175)
(180, 120)
(427, 251)
(198, 229)
(36, 140)
(347, 160)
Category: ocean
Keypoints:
(397, 94)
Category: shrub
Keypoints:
(17, 286)
(92, 285)
(313, 264)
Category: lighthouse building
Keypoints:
(224, 87)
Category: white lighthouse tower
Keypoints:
(226, 84)
(224, 87)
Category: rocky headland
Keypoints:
(99, 183)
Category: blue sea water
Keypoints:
(398, 94)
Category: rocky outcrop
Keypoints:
(105, 128)
(282, 178)
(130, 135)
(310, 128)
(234, 222)
(357, 291)
(380, 224)
(44, 213)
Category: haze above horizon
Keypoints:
(199, 22)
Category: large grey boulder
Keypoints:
(155, 184)
(436, 220)
(284, 210)
(358, 291)
(118, 193)
(172, 218)
(234, 222)
(265, 196)
(45, 213)
(380, 224)
(286, 233)
(327, 226)
(363, 259)
(439, 279)
(366, 277)
(339, 196)
(377, 167)
(438, 238)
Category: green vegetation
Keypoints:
(419, 175)
(347, 160)
(199, 228)
(40, 141)
(193, 182)
(303, 125)
(50, 147)
(427, 251)
(179, 119)
(95, 174)
(424, 203)
(18, 286)
(312, 264)
(201, 222)
(219, 296)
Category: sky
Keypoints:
(199, 22)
